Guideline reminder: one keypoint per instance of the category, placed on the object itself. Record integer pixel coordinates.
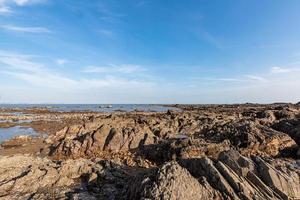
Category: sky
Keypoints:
(149, 51)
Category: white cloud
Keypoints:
(6, 6)
(21, 2)
(127, 69)
(26, 2)
(25, 29)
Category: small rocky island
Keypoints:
(195, 152)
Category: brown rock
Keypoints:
(172, 182)
(26, 176)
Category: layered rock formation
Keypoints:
(171, 181)
(231, 176)
(216, 152)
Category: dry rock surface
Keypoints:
(202, 152)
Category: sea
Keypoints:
(94, 107)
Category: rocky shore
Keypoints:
(247, 151)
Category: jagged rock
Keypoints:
(175, 149)
(124, 132)
(24, 177)
(289, 126)
(284, 113)
(105, 135)
(109, 182)
(292, 128)
(238, 177)
(251, 136)
(204, 167)
(231, 176)
(170, 182)
(134, 132)
(286, 184)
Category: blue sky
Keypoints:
(149, 51)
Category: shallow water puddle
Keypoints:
(8, 133)
(16, 121)
(12, 113)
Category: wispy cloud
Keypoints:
(256, 78)
(269, 46)
(61, 61)
(23, 67)
(25, 29)
(20, 62)
(214, 79)
(127, 69)
(281, 70)
(245, 79)
(25, 2)
(209, 38)
(106, 32)
(142, 3)
(42, 83)
(212, 39)
(108, 13)
(6, 6)
(4, 10)
(297, 54)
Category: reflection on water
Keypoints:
(8, 133)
